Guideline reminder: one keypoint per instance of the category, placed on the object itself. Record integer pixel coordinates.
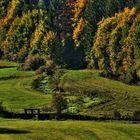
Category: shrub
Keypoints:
(36, 83)
(117, 115)
(55, 79)
(40, 70)
(136, 115)
(49, 69)
(33, 62)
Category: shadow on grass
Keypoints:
(12, 131)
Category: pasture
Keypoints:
(67, 130)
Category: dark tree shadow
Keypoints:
(12, 131)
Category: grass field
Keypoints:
(4, 63)
(11, 73)
(124, 98)
(16, 92)
(67, 130)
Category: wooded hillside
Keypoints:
(117, 46)
(65, 31)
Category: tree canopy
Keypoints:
(65, 31)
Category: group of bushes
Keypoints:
(135, 116)
(48, 78)
(32, 62)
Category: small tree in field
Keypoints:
(59, 103)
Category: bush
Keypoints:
(36, 83)
(117, 115)
(49, 69)
(136, 115)
(33, 62)
(56, 78)
(40, 70)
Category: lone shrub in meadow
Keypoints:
(136, 115)
(33, 62)
(117, 115)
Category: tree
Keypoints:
(59, 102)
(3, 8)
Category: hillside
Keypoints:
(116, 48)
(67, 61)
(15, 89)
(87, 93)
(102, 95)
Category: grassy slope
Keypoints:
(67, 130)
(7, 63)
(8, 72)
(16, 93)
(125, 98)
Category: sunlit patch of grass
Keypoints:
(68, 130)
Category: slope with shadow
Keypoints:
(16, 92)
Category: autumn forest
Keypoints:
(100, 34)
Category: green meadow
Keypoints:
(67, 130)
(16, 94)
(100, 95)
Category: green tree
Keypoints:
(116, 46)
(59, 102)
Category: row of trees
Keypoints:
(117, 46)
(63, 31)
(87, 14)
